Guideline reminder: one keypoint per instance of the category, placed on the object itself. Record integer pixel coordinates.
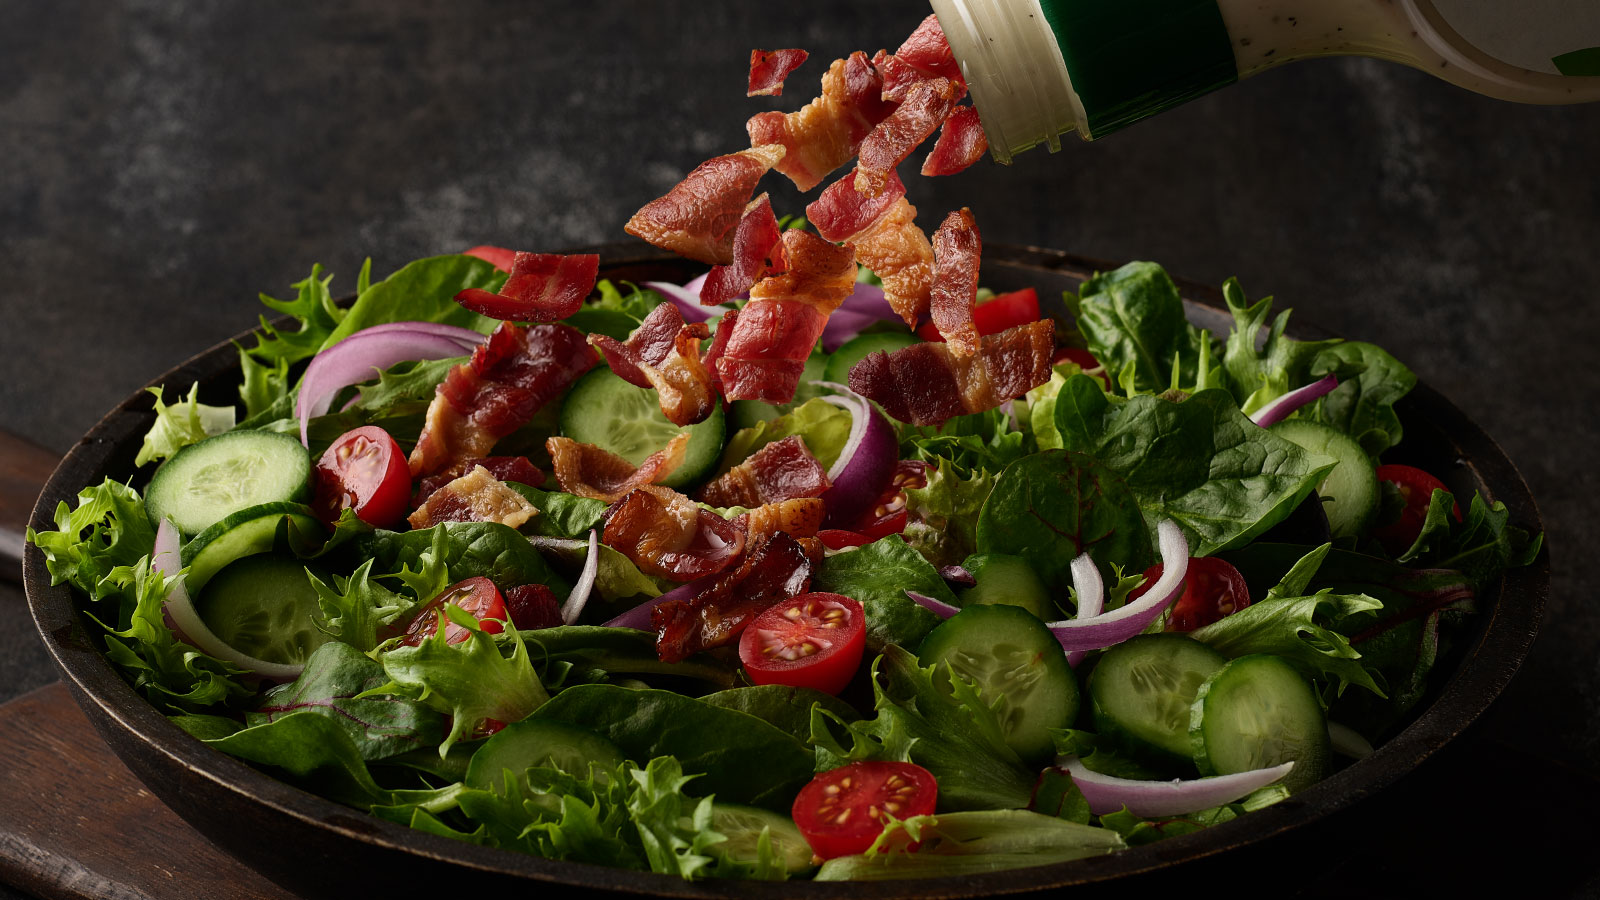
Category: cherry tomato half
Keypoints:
(813, 641)
(476, 595)
(840, 812)
(1416, 488)
(364, 470)
(887, 514)
(1212, 589)
(996, 314)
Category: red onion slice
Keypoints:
(1166, 798)
(1091, 597)
(468, 338)
(187, 625)
(687, 299)
(579, 598)
(938, 607)
(639, 617)
(1118, 625)
(1279, 409)
(865, 306)
(867, 462)
(359, 358)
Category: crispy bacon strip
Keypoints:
(649, 345)
(585, 470)
(925, 108)
(513, 373)
(925, 384)
(698, 216)
(543, 287)
(824, 134)
(927, 51)
(505, 468)
(664, 353)
(777, 570)
(898, 252)
(842, 212)
(799, 518)
(957, 247)
(898, 75)
(667, 535)
(757, 251)
(776, 330)
(782, 470)
(768, 69)
(961, 143)
(719, 345)
(474, 497)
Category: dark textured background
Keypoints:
(160, 163)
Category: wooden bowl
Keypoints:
(319, 848)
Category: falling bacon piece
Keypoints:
(719, 345)
(782, 470)
(927, 51)
(925, 108)
(649, 345)
(514, 372)
(957, 247)
(898, 252)
(543, 287)
(841, 212)
(666, 534)
(505, 468)
(799, 518)
(698, 216)
(824, 134)
(499, 257)
(768, 69)
(925, 384)
(585, 470)
(664, 353)
(775, 332)
(898, 75)
(474, 497)
(961, 143)
(533, 606)
(775, 571)
(757, 251)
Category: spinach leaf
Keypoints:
(423, 290)
(1481, 547)
(1370, 382)
(490, 549)
(1132, 319)
(313, 751)
(379, 726)
(563, 515)
(592, 652)
(617, 578)
(877, 576)
(786, 708)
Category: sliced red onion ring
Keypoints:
(468, 338)
(1118, 625)
(1166, 798)
(1091, 597)
(865, 306)
(867, 462)
(957, 575)
(1279, 409)
(687, 300)
(186, 622)
(938, 607)
(359, 358)
(579, 598)
(639, 617)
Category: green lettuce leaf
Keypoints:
(315, 314)
(877, 576)
(590, 653)
(423, 290)
(942, 517)
(617, 578)
(1257, 377)
(1298, 629)
(265, 387)
(824, 427)
(354, 609)
(563, 515)
(1481, 547)
(177, 426)
(106, 530)
(1370, 382)
(1138, 831)
(378, 725)
(675, 831)
(970, 444)
(469, 549)
(971, 843)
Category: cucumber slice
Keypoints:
(743, 826)
(264, 606)
(1142, 689)
(245, 533)
(1006, 579)
(1256, 712)
(744, 414)
(1349, 492)
(543, 743)
(215, 478)
(612, 414)
(1016, 663)
(860, 347)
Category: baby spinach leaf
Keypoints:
(1132, 319)
(877, 576)
(1370, 382)
(314, 752)
(490, 549)
(563, 515)
(786, 708)
(379, 726)
(593, 652)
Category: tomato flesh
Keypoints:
(841, 812)
(813, 641)
(887, 514)
(476, 595)
(1212, 589)
(997, 314)
(364, 470)
(1416, 488)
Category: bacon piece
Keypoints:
(664, 353)
(799, 518)
(514, 372)
(842, 212)
(543, 287)
(782, 470)
(775, 332)
(697, 217)
(777, 570)
(505, 468)
(961, 143)
(925, 384)
(927, 51)
(768, 69)
(898, 75)
(925, 108)
(757, 251)
(898, 252)
(667, 535)
(474, 497)
(533, 606)
(585, 470)
(499, 257)
(649, 345)
(719, 346)
(957, 247)
(824, 134)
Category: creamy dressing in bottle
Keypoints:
(1040, 68)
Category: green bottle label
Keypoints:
(1129, 59)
